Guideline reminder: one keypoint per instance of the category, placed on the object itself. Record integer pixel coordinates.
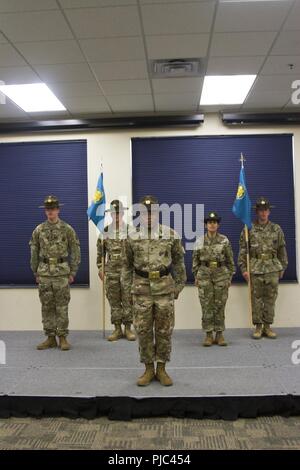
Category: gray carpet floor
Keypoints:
(152, 433)
(96, 367)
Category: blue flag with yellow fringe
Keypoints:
(96, 211)
(242, 204)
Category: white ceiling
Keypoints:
(94, 54)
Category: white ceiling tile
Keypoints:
(13, 119)
(255, 16)
(35, 26)
(125, 70)
(177, 85)
(145, 2)
(274, 83)
(2, 39)
(17, 75)
(110, 49)
(234, 65)
(92, 114)
(293, 20)
(219, 108)
(75, 89)
(176, 102)
(95, 3)
(288, 43)
(131, 103)
(261, 109)
(50, 115)
(50, 52)
(183, 18)
(279, 64)
(235, 44)
(10, 110)
(95, 104)
(105, 22)
(27, 5)
(266, 99)
(9, 57)
(124, 87)
(177, 46)
(290, 107)
(65, 73)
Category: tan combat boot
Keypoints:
(268, 332)
(162, 375)
(209, 339)
(147, 376)
(63, 343)
(220, 339)
(50, 342)
(116, 334)
(129, 335)
(258, 331)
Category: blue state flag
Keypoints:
(242, 204)
(96, 211)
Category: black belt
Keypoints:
(213, 264)
(153, 274)
(53, 260)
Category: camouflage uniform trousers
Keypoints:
(54, 293)
(154, 323)
(213, 296)
(119, 299)
(264, 290)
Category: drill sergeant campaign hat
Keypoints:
(212, 216)
(116, 206)
(262, 203)
(150, 202)
(51, 202)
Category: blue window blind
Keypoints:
(205, 170)
(29, 171)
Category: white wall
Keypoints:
(20, 308)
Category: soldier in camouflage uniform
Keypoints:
(268, 261)
(119, 299)
(55, 257)
(213, 267)
(151, 252)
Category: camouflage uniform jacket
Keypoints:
(112, 242)
(55, 250)
(265, 241)
(162, 250)
(213, 249)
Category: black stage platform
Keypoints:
(247, 379)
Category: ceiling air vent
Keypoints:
(168, 68)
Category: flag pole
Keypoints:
(103, 273)
(248, 271)
(246, 231)
(98, 220)
(103, 288)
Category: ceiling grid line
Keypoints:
(270, 49)
(82, 51)
(97, 55)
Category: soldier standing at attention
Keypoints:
(119, 299)
(55, 257)
(268, 261)
(213, 268)
(151, 252)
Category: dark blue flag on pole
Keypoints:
(242, 204)
(96, 211)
